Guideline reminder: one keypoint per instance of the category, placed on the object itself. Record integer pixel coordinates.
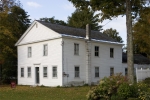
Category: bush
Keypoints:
(107, 87)
(147, 81)
(125, 90)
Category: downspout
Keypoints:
(88, 54)
(62, 44)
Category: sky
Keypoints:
(61, 9)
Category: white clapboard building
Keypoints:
(56, 55)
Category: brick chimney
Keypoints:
(88, 32)
(88, 54)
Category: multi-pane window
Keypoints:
(96, 51)
(111, 71)
(76, 49)
(126, 71)
(45, 50)
(96, 71)
(44, 71)
(29, 71)
(54, 71)
(111, 52)
(29, 52)
(77, 71)
(22, 72)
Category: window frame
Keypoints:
(45, 72)
(45, 50)
(76, 48)
(22, 72)
(96, 49)
(54, 73)
(76, 73)
(111, 52)
(111, 71)
(96, 72)
(29, 72)
(29, 52)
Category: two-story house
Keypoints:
(52, 55)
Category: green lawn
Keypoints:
(43, 93)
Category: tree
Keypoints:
(141, 33)
(114, 8)
(80, 18)
(53, 21)
(113, 34)
(13, 24)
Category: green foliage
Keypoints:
(147, 81)
(80, 18)
(13, 23)
(126, 90)
(141, 33)
(113, 34)
(54, 21)
(107, 87)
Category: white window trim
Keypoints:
(98, 71)
(56, 72)
(46, 72)
(79, 71)
(98, 51)
(44, 54)
(29, 52)
(28, 72)
(21, 73)
(110, 52)
(113, 70)
(75, 49)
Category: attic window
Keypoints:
(36, 25)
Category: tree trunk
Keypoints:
(129, 42)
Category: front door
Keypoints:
(37, 78)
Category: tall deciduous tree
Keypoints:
(141, 33)
(80, 18)
(114, 8)
(113, 34)
(53, 21)
(13, 24)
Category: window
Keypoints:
(96, 51)
(111, 52)
(29, 71)
(126, 71)
(76, 49)
(77, 71)
(44, 71)
(29, 52)
(54, 71)
(111, 71)
(96, 71)
(22, 72)
(45, 50)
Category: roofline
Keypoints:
(95, 40)
(25, 33)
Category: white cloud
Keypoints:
(69, 6)
(33, 4)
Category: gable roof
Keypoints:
(138, 59)
(76, 31)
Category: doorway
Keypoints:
(37, 78)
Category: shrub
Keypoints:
(125, 90)
(147, 81)
(107, 87)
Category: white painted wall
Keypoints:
(103, 61)
(39, 32)
(54, 58)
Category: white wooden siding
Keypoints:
(39, 32)
(54, 58)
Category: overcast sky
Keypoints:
(61, 9)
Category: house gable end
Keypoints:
(37, 32)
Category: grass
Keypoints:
(43, 93)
